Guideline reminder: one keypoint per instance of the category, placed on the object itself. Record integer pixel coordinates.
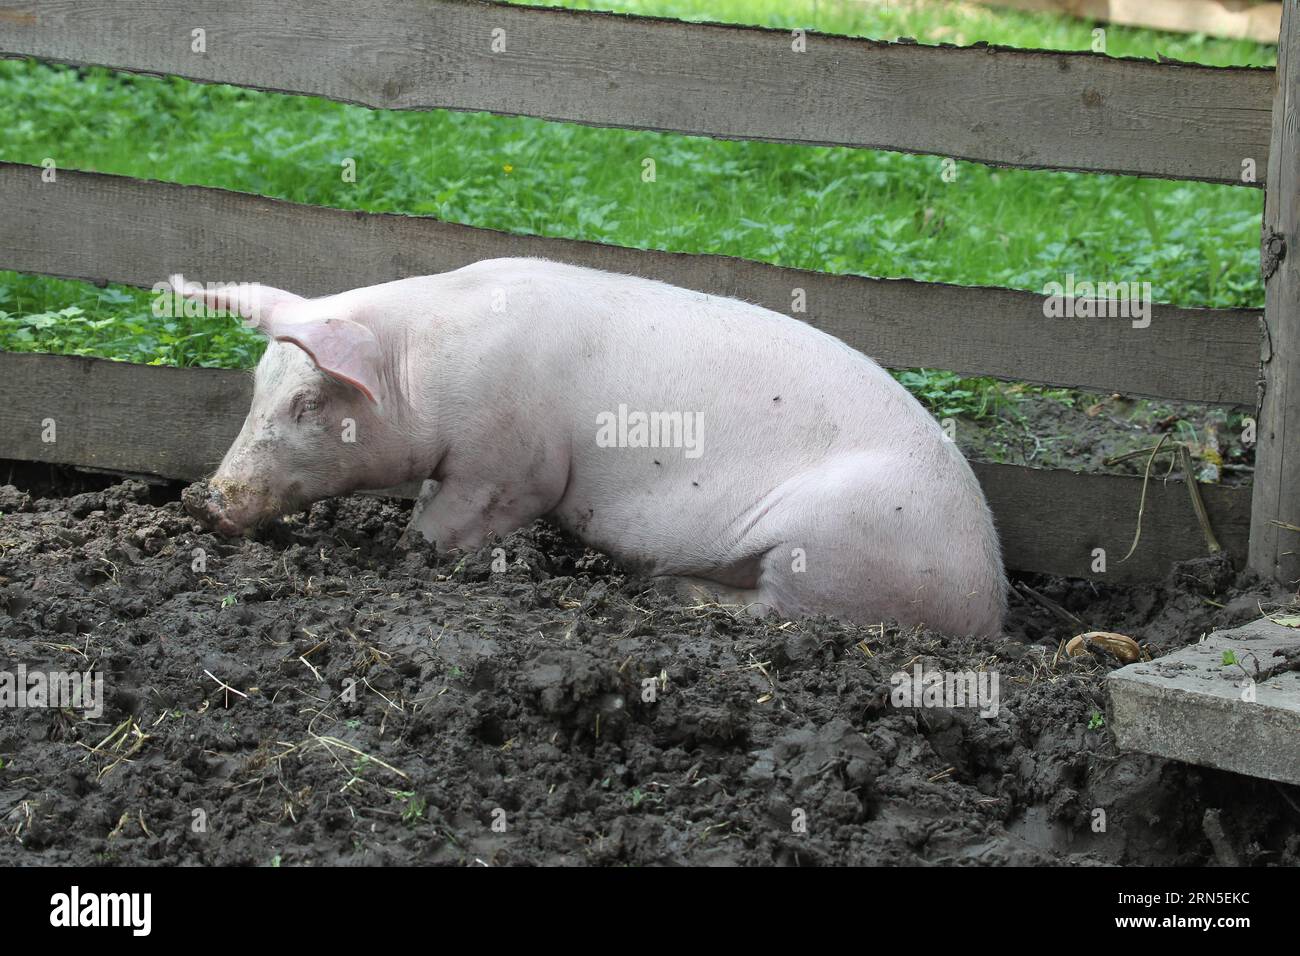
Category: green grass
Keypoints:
(833, 210)
(939, 21)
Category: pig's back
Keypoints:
(758, 377)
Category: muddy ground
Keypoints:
(320, 696)
(1080, 431)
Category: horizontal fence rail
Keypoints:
(98, 227)
(1001, 106)
(178, 423)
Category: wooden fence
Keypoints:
(1030, 109)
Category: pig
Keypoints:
(736, 454)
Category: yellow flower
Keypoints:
(508, 168)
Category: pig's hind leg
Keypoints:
(861, 539)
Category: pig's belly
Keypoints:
(719, 515)
(687, 542)
(661, 517)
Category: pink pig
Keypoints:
(740, 452)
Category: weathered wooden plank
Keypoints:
(97, 227)
(1055, 520)
(178, 423)
(1275, 551)
(993, 105)
(159, 420)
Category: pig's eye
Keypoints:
(302, 404)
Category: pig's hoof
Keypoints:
(414, 543)
(695, 592)
(413, 539)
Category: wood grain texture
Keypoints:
(177, 423)
(98, 227)
(173, 422)
(1052, 520)
(1275, 551)
(1035, 109)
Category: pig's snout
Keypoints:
(207, 504)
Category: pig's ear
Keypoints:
(250, 300)
(341, 348)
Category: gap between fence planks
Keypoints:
(1232, 19)
(178, 423)
(98, 227)
(1027, 108)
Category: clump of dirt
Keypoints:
(319, 695)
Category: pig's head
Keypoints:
(322, 417)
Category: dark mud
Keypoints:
(319, 696)
(1098, 433)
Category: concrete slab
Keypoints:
(1190, 706)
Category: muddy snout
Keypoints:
(206, 504)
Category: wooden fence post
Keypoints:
(1275, 550)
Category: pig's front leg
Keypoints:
(464, 514)
(412, 534)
